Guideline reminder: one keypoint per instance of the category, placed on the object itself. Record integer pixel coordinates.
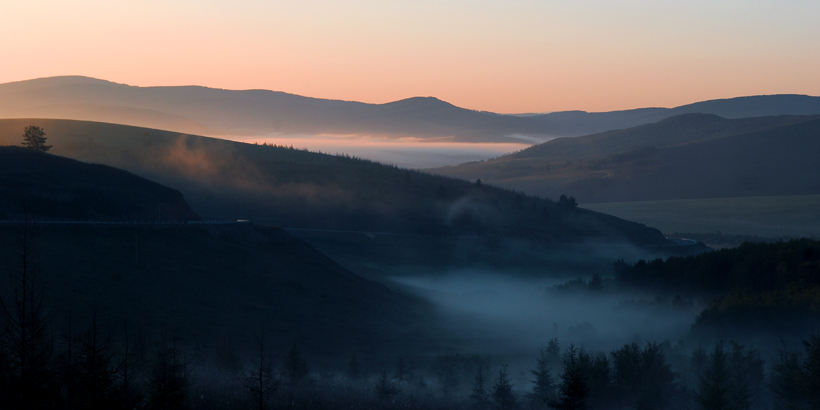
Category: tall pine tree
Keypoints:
(574, 390)
(503, 395)
(479, 396)
(714, 388)
(543, 389)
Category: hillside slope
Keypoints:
(684, 157)
(46, 186)
(210, 284)
(200, 282)
(300, 189)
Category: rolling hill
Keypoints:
(200, 282)
(573, 123)
(299, 189)
(685, 157)
(43, 186)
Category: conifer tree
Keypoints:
(295, 368)
(167, 381)
(34, 138)
(596, 371)
(26, 335)
(573, 391)
(714, 387)
(503, 395)
(479, 396)
(94, 375)
(810, 372)
(543, 391)
(260, 380)
(385, 389)
(747, 376)
(786, 381)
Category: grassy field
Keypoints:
(772, 216)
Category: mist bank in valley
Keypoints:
(515, 315)
(414, 153)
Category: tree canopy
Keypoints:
(34, 138)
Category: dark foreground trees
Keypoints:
(26, 342)
(573, 391)
(796, 379)
(543, 387)
(260, 380)
(642, 377)
(503, 395)
(478, 395)
(731, 379)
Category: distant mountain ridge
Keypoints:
(574, 123)
(210, 111)
(194, 109)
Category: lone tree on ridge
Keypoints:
(34, 138)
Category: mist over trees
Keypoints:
(51, 356)
(97, 364)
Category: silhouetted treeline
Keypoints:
(761, 287)
(754, 266)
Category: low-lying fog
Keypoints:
(513, 316)
(404, 152)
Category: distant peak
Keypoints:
(63, 80)
(420, 102)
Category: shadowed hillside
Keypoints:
(690, 156)
(204, 284)
(300, 189)
(46, 186)
(198, 282)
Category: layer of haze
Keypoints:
(522, 314)
(501, 56)
(403, 152)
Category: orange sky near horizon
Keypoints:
(509, 56)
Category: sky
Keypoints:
(510, 56)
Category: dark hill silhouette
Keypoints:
(574, 123)
(46, 186)
(684, 157)
(212, 111)
(680, 129)
(300, 189)
(200, 282)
